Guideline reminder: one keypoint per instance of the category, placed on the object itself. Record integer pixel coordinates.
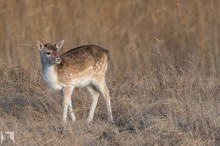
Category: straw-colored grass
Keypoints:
(162, 76)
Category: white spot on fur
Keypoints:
(69, 75)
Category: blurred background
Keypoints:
(141, 34)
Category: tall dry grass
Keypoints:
(183, 31)
(162, 75)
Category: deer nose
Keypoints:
(58, 60)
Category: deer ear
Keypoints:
(40, 45)
(59, 45)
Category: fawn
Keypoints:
(84, 66)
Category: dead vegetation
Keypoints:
(163, 74)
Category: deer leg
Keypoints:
(67, 104)
(72, 116)
(103, 89)
(94, 95)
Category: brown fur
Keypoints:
(80, 58)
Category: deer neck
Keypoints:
(50, 76)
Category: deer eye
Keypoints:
(48, 53)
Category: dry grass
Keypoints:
(163, 74)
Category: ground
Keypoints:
(172, 109)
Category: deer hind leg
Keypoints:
(95, 96)
(67, 103)
(103, 89)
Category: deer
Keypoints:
(83, 66)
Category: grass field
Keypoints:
(163, 74)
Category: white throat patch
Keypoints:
(50, 77)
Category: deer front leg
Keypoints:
(67, 104)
